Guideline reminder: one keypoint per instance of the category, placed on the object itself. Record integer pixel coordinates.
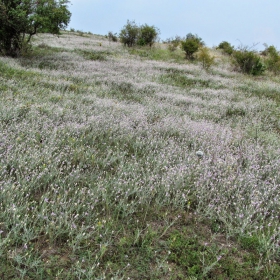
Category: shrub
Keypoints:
(248, 62)
(144, 35)
(205, 58)
(196, 38)
(80, 32)
(173, 44)
(272, 60)
(129, 34)
(269, 50)
(191, 45)
(147, 35)
(112, 37)
(226, 47)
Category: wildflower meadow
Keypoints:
(120, 163)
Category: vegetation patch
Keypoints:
(235, 112)
(157, 54)
(266, 92)
(125, 91)
(176, 78)
(96, 55)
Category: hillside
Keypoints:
(99, 172)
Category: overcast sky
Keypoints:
(245, 22)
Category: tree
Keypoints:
(21, 19)
(226, 47)
(191, 45)
(129, 34)
(147, 35)
(132, 34)
(195, 37)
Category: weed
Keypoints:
(249, 242)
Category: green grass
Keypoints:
(158, 54)
(181, 80)
(96, 55)
(262, 91)
(154, 246)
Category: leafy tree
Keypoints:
(147, 35)
(226, 47)
(195, 38)
(21, 19)
(191, 45)
(129, 34)
(132, 34)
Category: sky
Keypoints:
(248, 23)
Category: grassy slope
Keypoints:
(99, 176)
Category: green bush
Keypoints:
(112, 37)
(195, 37)
(226, 47)
(269, 50)
(272, 59)
(191, 45)
(147, 35)
(205, 58)
(248, 62)
(129, 34)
